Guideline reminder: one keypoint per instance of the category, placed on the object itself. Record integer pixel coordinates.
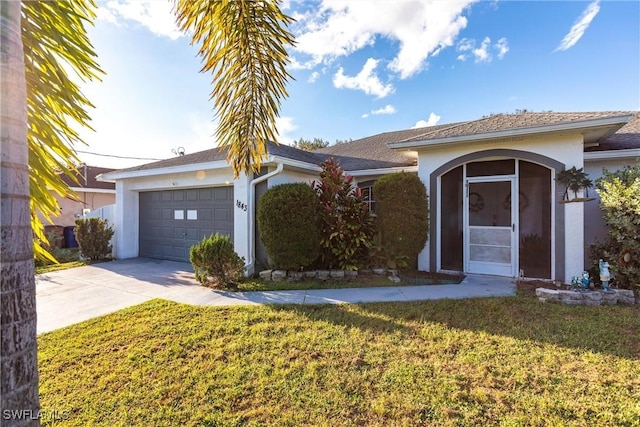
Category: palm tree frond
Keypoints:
(55, 43)
(243, 43)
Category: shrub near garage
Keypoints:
(288, 216)
(215, 262)
(403, 216)
(93, 236)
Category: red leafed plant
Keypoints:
(346, 225)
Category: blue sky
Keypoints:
(366, 67)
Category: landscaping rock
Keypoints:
(266, 275)
(592, 298)
(351, 274)
(625, 296)
(278, 275)
(618, 296)
(609, 299)
(295, 276)
(324, 274)
(310, 274)
(379, 271)
(394, 279)
(337, 274)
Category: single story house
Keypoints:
(91, 194)
(472, 171)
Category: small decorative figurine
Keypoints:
(605, 276)
(581, 283)
(586, 280)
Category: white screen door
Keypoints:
(490, 245)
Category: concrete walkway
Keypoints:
(71, 296)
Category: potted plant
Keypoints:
(574, 179)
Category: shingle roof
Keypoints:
(375, 147)
(87, 178)
(373, 152)
(205, 156)
(627, 137)
(501, 122)
(349, 163)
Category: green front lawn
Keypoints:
(509, 361)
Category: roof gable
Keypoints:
(86, 176)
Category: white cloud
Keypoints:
(341, 27)
(285, 126)
(366, 80)
(502, 46)
(481, 53)
(465, 45)
(156, 16)
(580, 26)
(432, 121)
(387, 109)
(467, 48)
(313, 77)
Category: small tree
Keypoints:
(620, 203)
(310, 145)
(215, 262)
(346, 224)
(288, 217)
(403, 217)
(93, 236)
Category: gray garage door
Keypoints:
(172, 221)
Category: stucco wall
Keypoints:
(566, 149)
(288, 176)
(88, 200)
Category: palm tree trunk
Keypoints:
(18, 353)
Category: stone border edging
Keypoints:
(322, 275)
(616, 296)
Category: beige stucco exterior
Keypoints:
(90, 199)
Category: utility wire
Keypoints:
(117, 157)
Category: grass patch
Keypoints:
(509, 361)
(66, 265)
(362, 281)
(359, 282)
(62, 266)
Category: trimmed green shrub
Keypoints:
(93, 236)
(288, 216)
(346, 225)
(620, 203)
(403, 217)
(215, 262)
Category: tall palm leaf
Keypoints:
(243, 43)
(56, 50)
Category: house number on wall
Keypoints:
(241, 205)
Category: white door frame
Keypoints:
(488, 267)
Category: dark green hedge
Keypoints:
(288, 216)
(403, 214)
